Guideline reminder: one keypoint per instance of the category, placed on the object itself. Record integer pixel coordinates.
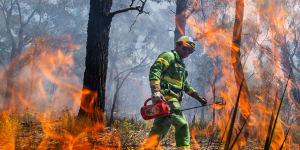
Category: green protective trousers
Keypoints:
(161, 126)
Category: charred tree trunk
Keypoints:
(180, 19)
(237, 65)
(236, 57)
(94, 81)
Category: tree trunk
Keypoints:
(180, 19)
(8, 93)
(236, 58)
(287, 66)
(115, 98)
(116, 95)
(94, 81)
(17, 44)
(10, 74)
(214, 100)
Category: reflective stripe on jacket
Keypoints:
(168, 74)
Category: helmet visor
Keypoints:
(188, 47)
(192, 44)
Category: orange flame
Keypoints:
(44, 83)
(151, 142)
(264, 33)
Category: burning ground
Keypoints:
(41, 95)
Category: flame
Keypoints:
(264, 33)
(151, 142)
(48, 62)
(8, 129)
(193, 134)
(43, 81)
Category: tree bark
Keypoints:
(94, 81)
(180, 19)
(236, 58)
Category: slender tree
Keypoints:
(121, 77)
(236, 55)
(94, 81)
(16, 19)
(180, 18)
(288, 67)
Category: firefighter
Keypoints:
(168, 81)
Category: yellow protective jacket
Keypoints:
(168, 75)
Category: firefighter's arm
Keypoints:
(161, 64)
(188, 89)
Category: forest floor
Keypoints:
(30, 133)
(33, 137)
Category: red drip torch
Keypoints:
(157, 110)
(162, 109)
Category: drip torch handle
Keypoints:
(149, 99)
(145, 103)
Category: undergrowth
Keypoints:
(27, 131)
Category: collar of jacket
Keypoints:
(177, 58)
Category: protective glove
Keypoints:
(202, 100)
(157, 96)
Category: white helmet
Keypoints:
(188, 40)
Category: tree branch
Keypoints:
(292, 62)
(2, 3)
(132, 2)
(11, 6)
(2, 6)
(171, 10)
(29, 18)
(7, 22)
(133, 22)
(28, 39)
(127, 75)
(135, 67)
(126, 9)
(131, 70)
(20, 12)
(140, 9)
(4, 10)
(33, 12)
(293, 53)
(195, 8)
